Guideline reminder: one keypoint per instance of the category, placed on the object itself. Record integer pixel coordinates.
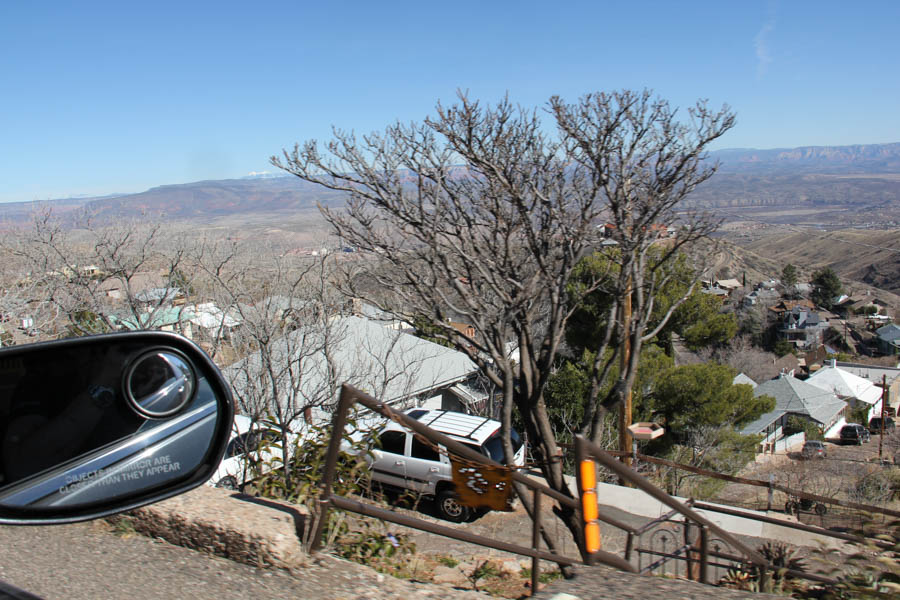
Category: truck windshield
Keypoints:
(493, 447)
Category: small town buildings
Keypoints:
(851, 388)
(888, 339)
(762, 296)
(802, 327)
(878, 375)
(794, 397)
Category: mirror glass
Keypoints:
(159, 383)
(100, 419)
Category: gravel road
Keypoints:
(87, 561)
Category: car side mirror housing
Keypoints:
(93, 426)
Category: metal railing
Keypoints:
(586, 451)
(700, 553)
(328, 499)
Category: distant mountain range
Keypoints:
(860, 158)
(866, 177)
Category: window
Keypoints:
(393, 441)
(494, 445)
(423, 450)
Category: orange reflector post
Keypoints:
(588, 475)
(591, 537)
(589, 506)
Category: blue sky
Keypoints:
(118, 97)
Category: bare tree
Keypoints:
(295, 346)
(743, 357)
(285, 339)
(25, 313)
(96, 276)
(480, 213)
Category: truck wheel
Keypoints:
(821, 509)
(449, 507)
(228, 483)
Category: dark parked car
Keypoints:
(813, 449)
(854, 433)
(875, 425)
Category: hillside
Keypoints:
(870, 257)
(857, 184)
(803, 192)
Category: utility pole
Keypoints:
(884, 399)
(625, 439)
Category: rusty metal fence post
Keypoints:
(704, 554)
(334, 446)
(536, 542)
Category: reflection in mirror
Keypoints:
(159, 383)
(94, 421)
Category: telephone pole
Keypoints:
(625, 410)
(884, 399)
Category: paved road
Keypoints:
(86, 561)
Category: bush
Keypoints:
(880, 486)
(300, 480)
(783, 348)
(871, 572)
(797, 424)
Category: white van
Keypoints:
(401, 460)
(242, 456)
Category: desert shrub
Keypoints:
(879, 486)
(783, 558)
(871, 572)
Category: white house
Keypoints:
(849, 387)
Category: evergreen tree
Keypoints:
(826, 287)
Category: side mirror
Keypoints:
(93, 426)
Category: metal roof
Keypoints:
(381, 361)
(797, 397)
(845, 384)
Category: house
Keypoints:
(721, 288)
(209, 321)
(396, 367)
(729, 284)
(802, 327)
(851, 388)
(787, 364)
(804, 289)
(159, 296)
(880, 376)
(115, 287)
(360, 308)
(718, 292)
(794, 397)
(741, 379)
(763, 296)
(165, 318)
(786, 306)
(888, 339)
